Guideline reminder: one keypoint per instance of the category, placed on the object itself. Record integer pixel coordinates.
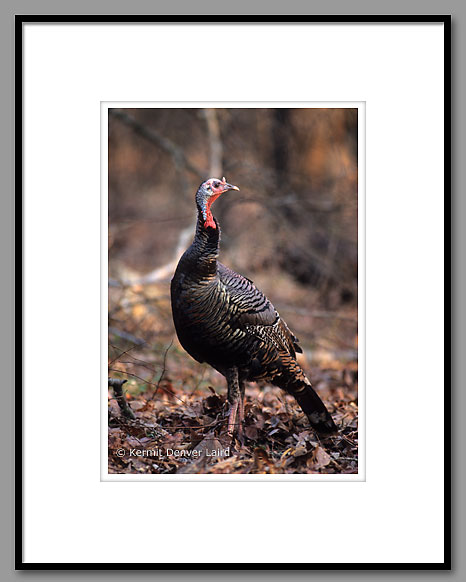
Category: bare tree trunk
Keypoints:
(215, 143)
(281, 128)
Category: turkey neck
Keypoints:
(203, 253)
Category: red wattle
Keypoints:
(210, 219)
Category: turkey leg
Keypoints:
(241, 405)
(235, 398)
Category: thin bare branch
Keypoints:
(127, 336)
(147, 382)
(319, 314)
(164, 369)
(160, 141)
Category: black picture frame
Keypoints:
(20, 20)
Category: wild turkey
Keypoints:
(221, 318)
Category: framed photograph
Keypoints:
(177, 418)
(233, 290)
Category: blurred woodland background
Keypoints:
(292, 229)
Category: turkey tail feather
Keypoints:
(307, 398)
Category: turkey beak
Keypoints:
(227, 187)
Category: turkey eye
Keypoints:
(216, 184)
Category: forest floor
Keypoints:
(179, 408)
(185, 432)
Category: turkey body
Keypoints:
(242, 329)
(222, 318)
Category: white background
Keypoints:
(397, 514)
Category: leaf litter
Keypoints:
(182, 430)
